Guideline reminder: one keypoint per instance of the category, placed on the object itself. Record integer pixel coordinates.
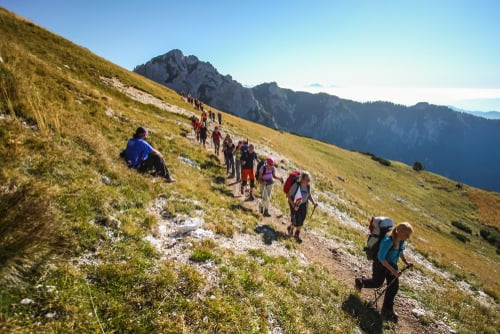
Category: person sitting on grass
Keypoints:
(140, 155)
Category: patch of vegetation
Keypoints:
(461, 226)
(418, 166)
(460, 236)
(492, 236)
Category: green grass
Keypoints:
(56, 144)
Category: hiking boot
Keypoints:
(297, 237)
(250, 197)
(389, 315)
(358, 283)
(266, 213)
(170, 180)
(290, 230)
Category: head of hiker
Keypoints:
(402, 231)
(140, 133)
(305, 179)
(269, 161)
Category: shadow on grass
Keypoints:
(269, 234)
(242, 208)
(369, 319)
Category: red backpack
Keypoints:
(290, 180)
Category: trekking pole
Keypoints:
(312, 213)
(380, 291)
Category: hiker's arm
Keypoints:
(312, 200)
(156, 152)
(276, 177)
(393, 271)
(408, 264)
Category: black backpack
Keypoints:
(261, 163)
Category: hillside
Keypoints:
(456, 145)
(87, 245)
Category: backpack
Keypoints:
(379, 227)
(290, 180)
(261, 164)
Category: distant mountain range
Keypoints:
(457, 145)
(484, 114)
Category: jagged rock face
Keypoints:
(456, 145)
(203, 81)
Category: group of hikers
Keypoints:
(242, 162)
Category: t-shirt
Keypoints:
(229, 149)
(267, 173)
(386, 252)
(304, 190)
(137, 151)
(216, 136)
(247, 160)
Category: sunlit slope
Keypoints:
(61, 130)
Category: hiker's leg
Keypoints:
(391, 292)
(238, 170)
(378, 276)
(267, 195)
(252, 183)
(300, 217)
(156, 162)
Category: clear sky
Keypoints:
(439, 51)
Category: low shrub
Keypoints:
(461, 226)
(460, 236)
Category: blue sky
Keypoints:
(440, 51)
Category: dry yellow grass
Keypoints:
(488, 206)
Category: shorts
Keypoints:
(247, 174)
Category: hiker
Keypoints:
(266, 177)
(247, 159)
(237, 160)
(229, 156)
(143, 157)
(385, 267)
(204, 117)
(197, 127)
(224, 146)
(216, 137)
(203, 134)
(219, 116)
(298, 196)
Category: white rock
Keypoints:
(26, 301)
(191, 224)
(202, 234)
(189, 162)
(419, 313)
(106, 180)
(50, 315)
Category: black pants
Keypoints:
(230, 163)
(379, 275)
(154, 163)
(298, 217)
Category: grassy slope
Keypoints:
(57, 142)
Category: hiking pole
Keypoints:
(312, 213)
(380, 291)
